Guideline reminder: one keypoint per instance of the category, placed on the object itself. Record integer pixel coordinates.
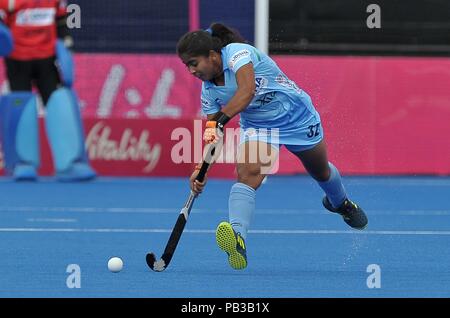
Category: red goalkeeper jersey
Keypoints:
(33, 26)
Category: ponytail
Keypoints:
(225, 34)
(200, 43)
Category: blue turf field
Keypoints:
(295, 248)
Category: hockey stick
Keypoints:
(160, 265)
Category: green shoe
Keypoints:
(233, 244)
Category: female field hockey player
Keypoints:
(239, 79)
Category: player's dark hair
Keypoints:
(200, 42)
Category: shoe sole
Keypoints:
(226, 240)
(354, 227)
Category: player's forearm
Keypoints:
(238, 102)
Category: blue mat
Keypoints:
(295, 248)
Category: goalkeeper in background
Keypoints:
(39, 56)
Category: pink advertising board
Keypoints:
(381, 115)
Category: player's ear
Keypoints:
(213, 55)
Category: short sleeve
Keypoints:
(238, 56)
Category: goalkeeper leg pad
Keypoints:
(19, 132)
(64, 62)
(66, 137)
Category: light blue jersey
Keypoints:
(279, 104)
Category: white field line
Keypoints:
(209, 211)
(205, 231)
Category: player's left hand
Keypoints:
(212, 133)
(196, 185)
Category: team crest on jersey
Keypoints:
(286, 82)
(261, 83)
(36, 17)
(239, 55)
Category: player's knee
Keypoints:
(250, 175)
(322, 175)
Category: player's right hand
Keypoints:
(196, 185)
(212, 133)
